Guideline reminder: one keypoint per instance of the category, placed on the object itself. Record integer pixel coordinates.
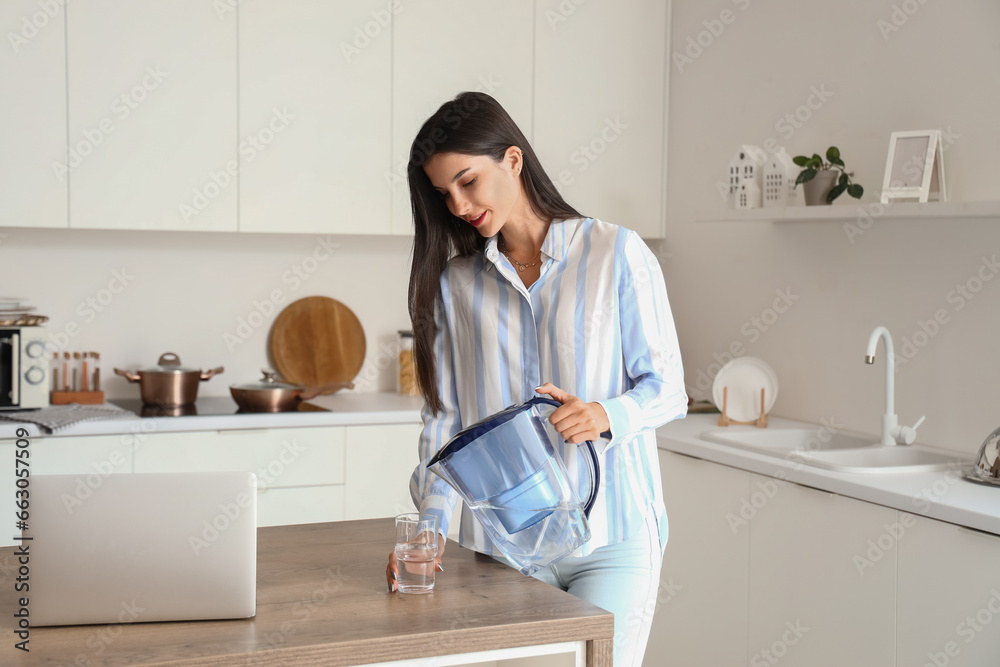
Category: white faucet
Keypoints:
(892, 432)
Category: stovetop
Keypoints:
(205, 406)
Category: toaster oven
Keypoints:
(24, 368)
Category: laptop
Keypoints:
(132, 548)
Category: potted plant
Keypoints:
(820, 180)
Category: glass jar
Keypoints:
(407, 377)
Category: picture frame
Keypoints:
(914, 169)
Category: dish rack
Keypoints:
(726, 420)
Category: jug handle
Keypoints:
(595, 466)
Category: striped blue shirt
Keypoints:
(596, 324)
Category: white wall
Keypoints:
(938, 70)
(186, 291)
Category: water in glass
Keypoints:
(416, 567)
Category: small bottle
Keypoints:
(407, 383)
(84, 372)
(55, 371)
(95, 358)
(76, 372)
(65, 383)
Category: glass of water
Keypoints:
(416, 549)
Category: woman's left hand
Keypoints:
(576, 420)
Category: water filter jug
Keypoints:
(510, 470)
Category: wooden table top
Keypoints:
(322, 600)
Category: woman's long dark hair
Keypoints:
(471, 124)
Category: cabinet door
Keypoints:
(91, 457)
(948, 600)
(599, 107)
(444, 48)
(380, 460)
(304, 504)
(315, 85)
(152, 114)
(300, 471)
(33, 143)
(281, 457)
(817, 597)
(701, 607)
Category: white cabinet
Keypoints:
(90, 457)
(315, 128)
(380, 460)
(703, 583)
(759, 571)
(948, 599)
(152, 115)
(307, 504)
(33, 142)
(304, 475)
(300, 471)
(298, 116)
(813, 600)
(443, 48)
(599, 107)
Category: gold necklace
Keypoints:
(519, 265)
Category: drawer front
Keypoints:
(280, 457)
(99, 454)
(305, 504)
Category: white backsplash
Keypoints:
(209, 297)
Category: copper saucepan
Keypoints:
(271, 395)
(168, 383)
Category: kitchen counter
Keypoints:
(341, 409)
(943, 495)
(322, 600)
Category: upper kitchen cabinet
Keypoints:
(315, 85)
(444, 48)
(152, 114)
(33, 143)
(599, 107)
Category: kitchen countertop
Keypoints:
(943, 495)
(322, 600)
(340, 409)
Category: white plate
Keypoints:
(745, 377)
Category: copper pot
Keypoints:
(168, 383)
(271, 395)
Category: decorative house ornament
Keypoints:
(778, 180)
(745, 166)
(748, 196)
(914, 170)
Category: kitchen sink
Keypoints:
(833, 449)
(884, 459)
(770, 440)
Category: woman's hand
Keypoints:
(576, 420)
(392, 569)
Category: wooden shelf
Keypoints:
(857, 210)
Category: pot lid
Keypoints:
(269, 381)
(169, 363)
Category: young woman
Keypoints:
(512, 293)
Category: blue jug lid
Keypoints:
(474, 431)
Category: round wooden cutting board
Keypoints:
(316, 341)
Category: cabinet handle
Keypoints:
(244, 431)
